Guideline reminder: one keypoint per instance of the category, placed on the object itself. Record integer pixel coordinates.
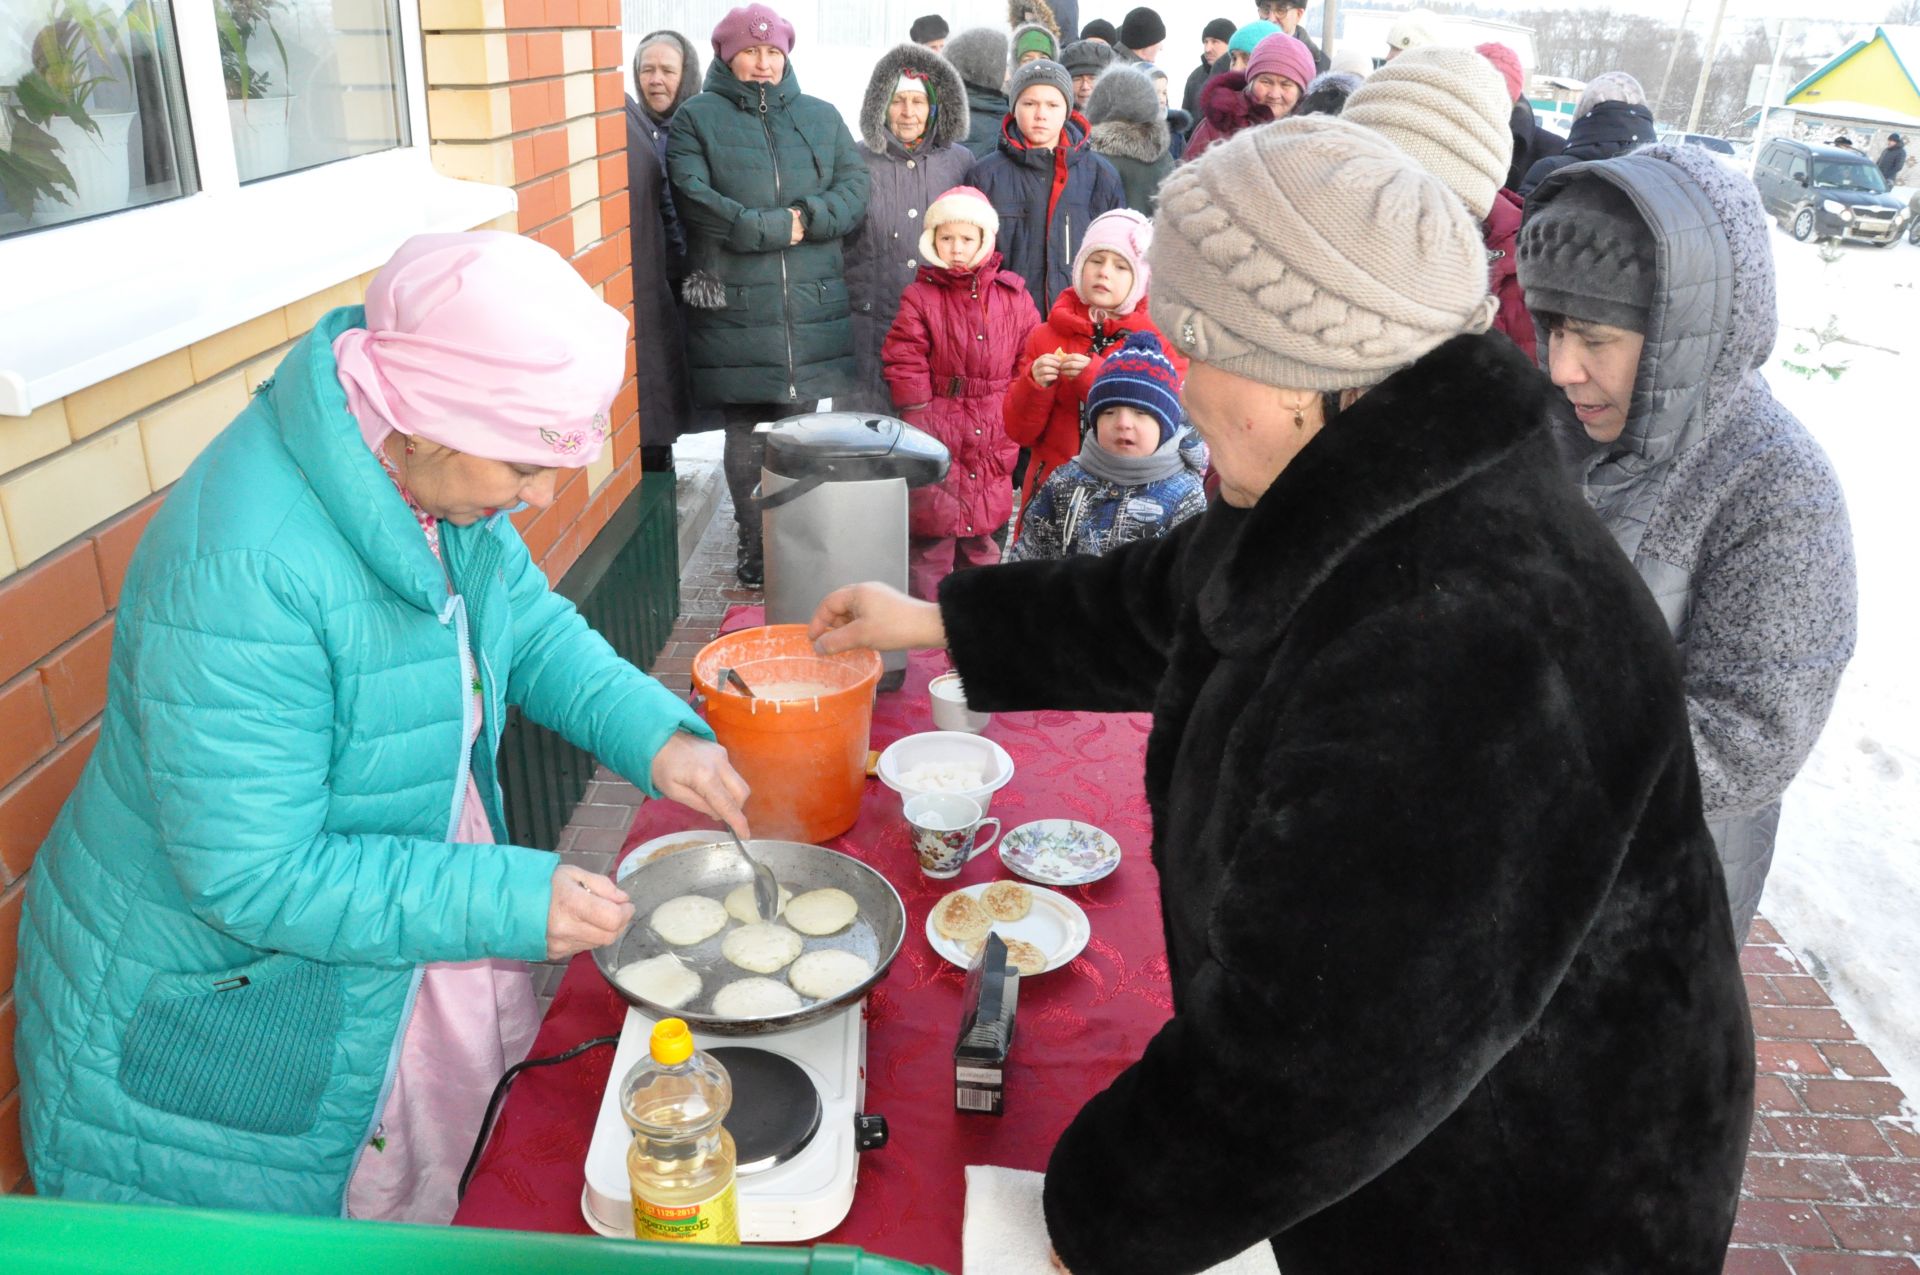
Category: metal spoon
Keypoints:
(766, 891)
(732, 675)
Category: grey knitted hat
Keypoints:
(1087, 57)
(1449, 109)
(1040, 71)
(1587, 253)
(1311, 254)
(980, 55)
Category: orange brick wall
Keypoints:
(526, 93)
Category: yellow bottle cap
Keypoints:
(671, 1042)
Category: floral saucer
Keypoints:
(1060, 852)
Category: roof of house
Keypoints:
(1902, 41)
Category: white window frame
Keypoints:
(85, 302)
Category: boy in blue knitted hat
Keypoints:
(1138, 474)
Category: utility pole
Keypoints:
(1706, 68)
(1328, 16)
(1673, 54)
(1766, 99)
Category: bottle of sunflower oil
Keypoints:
(681, 1160)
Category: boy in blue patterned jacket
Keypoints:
(1138, 474)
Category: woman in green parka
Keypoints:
(271, 955)
(768, 182)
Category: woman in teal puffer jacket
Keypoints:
(270, 946)
(768, 182)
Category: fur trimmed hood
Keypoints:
(950, 118)
(689, 72)
(1126, 139)
(1038, 13)
(1124, 95)
(979, 54)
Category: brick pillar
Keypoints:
(530, 94)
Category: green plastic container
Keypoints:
(59, 1237)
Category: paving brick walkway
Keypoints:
(1833, 1179)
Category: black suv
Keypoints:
(1823, 192)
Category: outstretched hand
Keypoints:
(695, 772)
(877, 618)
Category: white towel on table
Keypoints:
(1005, 1231)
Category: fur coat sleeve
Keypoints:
(1128, 599)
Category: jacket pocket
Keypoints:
(248, 1048)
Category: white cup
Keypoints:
(950, 711)
(946, 830)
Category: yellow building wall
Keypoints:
(1872, 75)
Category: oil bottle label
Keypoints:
(714, 1220)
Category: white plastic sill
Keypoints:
(82, 303)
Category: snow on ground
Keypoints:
(1845, 886)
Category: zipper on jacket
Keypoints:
(786, 292)
(455, 612)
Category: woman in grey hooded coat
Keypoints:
(1724, 502)
(881, 253)
(1130, 129)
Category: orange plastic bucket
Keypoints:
(801, 742)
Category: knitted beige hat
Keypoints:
(1311, 254)
(1449, 109)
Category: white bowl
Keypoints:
(946, 747)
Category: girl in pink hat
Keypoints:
(1106, 304)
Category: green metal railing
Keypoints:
(58, 1237)
(627, 585)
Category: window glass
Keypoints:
(1848, 174)
(310, 81)
(92, 119)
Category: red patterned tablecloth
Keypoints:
(1077, 1027)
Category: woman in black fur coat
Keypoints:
(1455, 987)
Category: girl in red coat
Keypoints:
(1108, 301)
(948, 360)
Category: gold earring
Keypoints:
(1299, 419)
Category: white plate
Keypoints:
(672, 840)
(1055, 925)
(1059, 852)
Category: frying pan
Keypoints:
(713, 870)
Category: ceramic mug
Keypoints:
(946, 828)
(950, 710)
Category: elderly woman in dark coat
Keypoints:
(913, 122)
(767, 182)
(1454, 985)
(666, 70)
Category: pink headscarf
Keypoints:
(488, 343)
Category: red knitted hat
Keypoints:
(1507, 62)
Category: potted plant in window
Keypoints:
(260, 110)
(65, 155)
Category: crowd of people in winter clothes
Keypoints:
(976, 263)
